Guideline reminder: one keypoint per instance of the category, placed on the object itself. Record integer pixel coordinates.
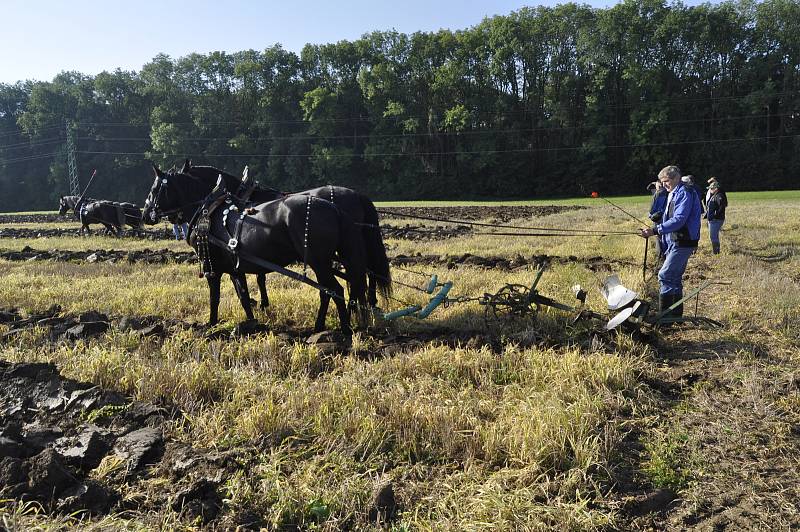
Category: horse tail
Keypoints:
(377, 261)
(351, 251)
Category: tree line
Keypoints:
(542, 102)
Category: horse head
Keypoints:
(173, 195)
(154, 203)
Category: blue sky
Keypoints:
(40, 38)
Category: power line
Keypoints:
(515, 113)
(34, 144)
(510, 131)
(29, 158)
(458, 152)
(21, 132)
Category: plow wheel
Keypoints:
(511, 308)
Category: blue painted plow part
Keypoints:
(422, 312)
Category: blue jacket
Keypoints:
(681, 222)
(696, 190)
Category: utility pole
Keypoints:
(72, 167)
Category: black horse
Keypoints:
(112, 215)
(70, 203)
(360, 209)
(281, 232)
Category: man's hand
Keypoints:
(647, 232)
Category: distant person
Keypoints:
(710, 182)
(689, 181)
(681, 226)
(657, 208)
(181, 231)
(715, 213)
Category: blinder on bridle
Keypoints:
(154, 207)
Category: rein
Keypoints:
(200, 227)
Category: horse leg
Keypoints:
(326, 278)
(261, 279)
(240, 284)
(363, 306)
(373, 291)
(213, 298)
(358, 305)
(324, 299)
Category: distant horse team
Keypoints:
(110, 214)
(237, 228)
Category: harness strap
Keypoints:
(276, 268)
(200, 228)
(305, 236)
(245, 190)
(233, 238)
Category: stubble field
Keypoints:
(441, 424)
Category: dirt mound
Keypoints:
(420, 233)
(595, 264)
(14, 233)
(73, 448)
(496, 214)
(147, 256)
(30, 218)
(164, 256)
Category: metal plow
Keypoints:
(515, 305)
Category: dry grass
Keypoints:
(523, 438)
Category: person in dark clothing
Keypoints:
(689, 182)
(711, 181)
(659, 203)
(681, 226)
(180, 230)
(715, 213)
(657, 208)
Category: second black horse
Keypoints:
(356, 205)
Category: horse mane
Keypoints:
(214, 172)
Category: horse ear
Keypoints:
(156, 170)
(187, 165)
(220, 184)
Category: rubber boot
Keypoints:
(715, 247)
(677, 312)
(664, 302)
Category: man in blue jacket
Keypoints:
(681, 228)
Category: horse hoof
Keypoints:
(246, 327)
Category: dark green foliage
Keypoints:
(532, 104)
